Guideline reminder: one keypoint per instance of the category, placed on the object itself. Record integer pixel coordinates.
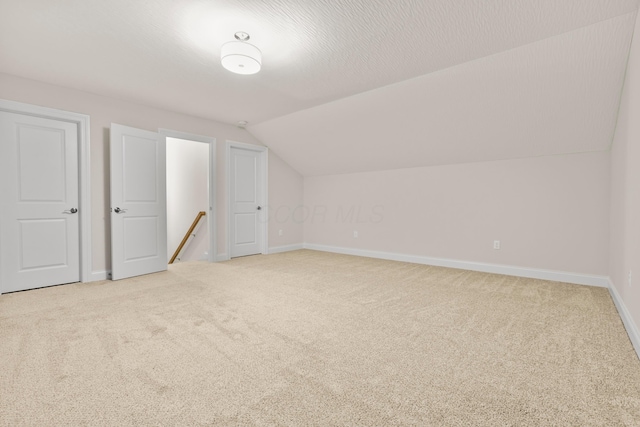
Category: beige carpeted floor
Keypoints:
(315, 339)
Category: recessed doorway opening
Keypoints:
(187, 199)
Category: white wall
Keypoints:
(285, 204)
(187, 194)
(625, 194)
(104, 111)
(549, 213)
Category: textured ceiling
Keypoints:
(336, 72)
(559, 95)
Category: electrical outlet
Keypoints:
(279, 232)
(496, 244)
(355, 233)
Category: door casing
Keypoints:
(84, 183)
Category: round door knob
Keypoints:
(73, 210)
(118, 210)
(259, 208)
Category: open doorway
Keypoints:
(190, 196)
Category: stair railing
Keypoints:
(189, 234)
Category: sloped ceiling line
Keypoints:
(555, 96)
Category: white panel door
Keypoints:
(246, 200)
(39, 225)
(138, 202)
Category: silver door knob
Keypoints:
(118, 210)
(259, 208)
(71, 211)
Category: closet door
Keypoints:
(39, 220)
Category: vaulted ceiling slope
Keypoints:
(556, 96)
(348, 85)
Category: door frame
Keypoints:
(264, 155)
(211, 220)
(84, 173)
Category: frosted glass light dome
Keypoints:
(241, 57)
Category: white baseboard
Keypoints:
(273, 250)
(627, 320)
(558, 276)
(287, 248)
(97, 276)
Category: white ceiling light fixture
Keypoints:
(241, 57)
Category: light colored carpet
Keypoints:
(315, 339)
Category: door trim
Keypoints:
(213, 182)
(84, 171)
(264, 153)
